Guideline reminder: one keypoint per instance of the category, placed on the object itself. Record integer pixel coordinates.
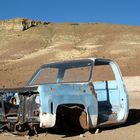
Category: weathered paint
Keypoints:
(69, 94)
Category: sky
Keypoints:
(106, 11)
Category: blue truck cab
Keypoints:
(90, 91)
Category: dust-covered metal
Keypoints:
(65, 93)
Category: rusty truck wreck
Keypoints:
(86, 92)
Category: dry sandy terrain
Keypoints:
(22, 52)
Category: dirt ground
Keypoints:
(22, 52)
(128, 131)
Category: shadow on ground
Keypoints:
(68, 131)
(133, 118)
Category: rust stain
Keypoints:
(92, 89)
(108, 123)
(83, 89)
(52, 90)
(83, 120)
(44, 113)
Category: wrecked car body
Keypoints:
(89, 93)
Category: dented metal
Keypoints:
(65, 92)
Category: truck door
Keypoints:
(111, 98)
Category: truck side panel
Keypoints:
(53, 95)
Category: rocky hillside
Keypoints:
(23, 49)
(19, 24)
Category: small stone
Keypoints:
(82, 135)
(97, 131)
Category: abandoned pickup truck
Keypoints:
(86, 92)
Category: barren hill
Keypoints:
(23, 51)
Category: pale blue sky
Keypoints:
(108, 11)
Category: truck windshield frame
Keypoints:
(63, 72)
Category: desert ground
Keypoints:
(22, 52)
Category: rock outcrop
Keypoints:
(19, 24)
